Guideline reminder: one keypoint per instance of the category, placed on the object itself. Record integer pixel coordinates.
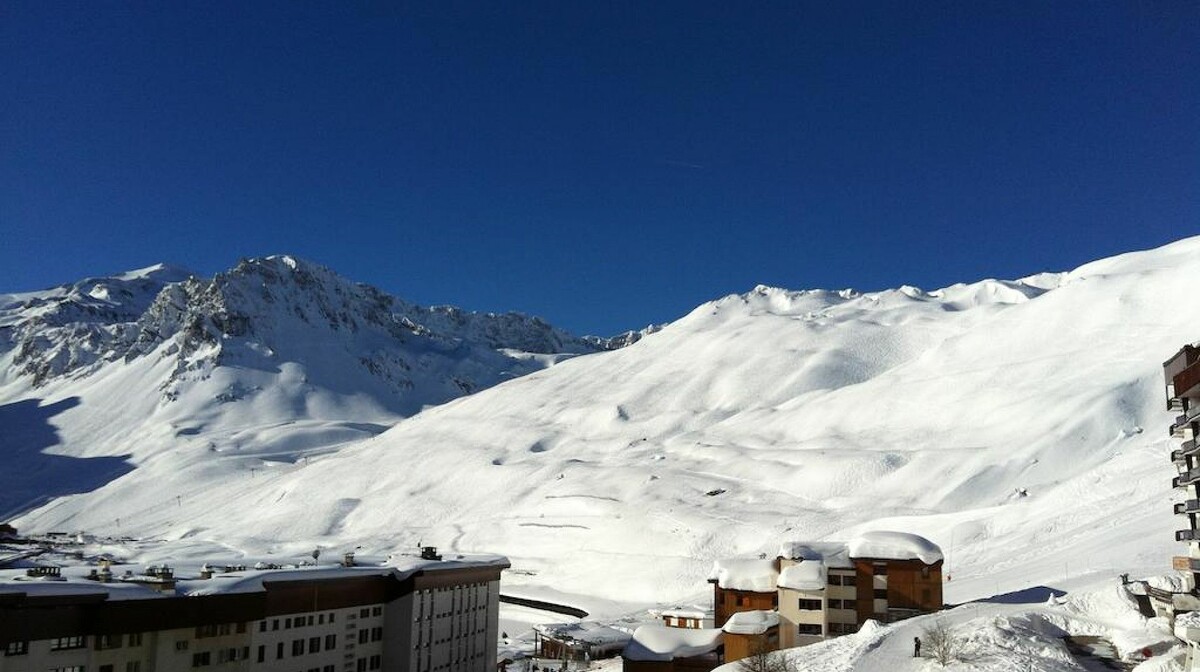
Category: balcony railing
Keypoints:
(1182, 426)
(1187, 535)
(1186, 478)
(1190, 506)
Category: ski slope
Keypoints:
(1018, 424)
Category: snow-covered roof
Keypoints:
(751, 622)
(753, 574)
(588, 632)
(804, 575)
(885, 545)
(687, 612)
(660, 643)
(832, 553)
(74, 581)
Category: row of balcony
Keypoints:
(1186, 478)
(1188, 448)
(1190, 506)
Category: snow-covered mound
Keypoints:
(273, 361)
(1002, 420)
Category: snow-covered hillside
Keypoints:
(274, 360)
(1019, 424)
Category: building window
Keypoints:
(275, 624)
(241, 627)
(924, 572)
(808, 629)
(330, 642)
(135, 639)
(361, 665)
(332, 617)
(133, 666)
(327, 668)
(69, 668)
(376, 611)
(311, 619)
(881, 593)
(262, 653)
(202, 659)
(376, 634)
(16, 649)
(181, 645)
(879, 570)
(314, 644)
(279, 651)
(842, 628)
(203, 631)
(297, 647)
(320, 619)
(287, 624)
(364, 612)
(64, 643)
(108, 642)
(376, 662)
(810, 605)
(841, 580)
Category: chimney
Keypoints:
(348, 559)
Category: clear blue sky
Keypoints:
(603, 165)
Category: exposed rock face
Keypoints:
(270, 310)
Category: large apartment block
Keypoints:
(1182, 376)
(423, 615)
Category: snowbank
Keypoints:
(751, 622)
(660, 643)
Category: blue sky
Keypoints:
(603, 165)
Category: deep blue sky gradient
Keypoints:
(603, 165)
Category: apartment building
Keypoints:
(1181, 374)
(822, 590)
(413, 615)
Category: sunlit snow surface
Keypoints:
(1019, 425)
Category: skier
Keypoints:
(916, 647)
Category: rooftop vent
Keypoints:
(348, 559)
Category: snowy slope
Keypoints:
(1020, 425)
(272, 361)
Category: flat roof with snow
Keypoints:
(658, 643)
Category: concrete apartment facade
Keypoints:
(429, 617)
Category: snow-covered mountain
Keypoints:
(1019, 424)
(275, 346)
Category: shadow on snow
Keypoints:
(29, 476)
